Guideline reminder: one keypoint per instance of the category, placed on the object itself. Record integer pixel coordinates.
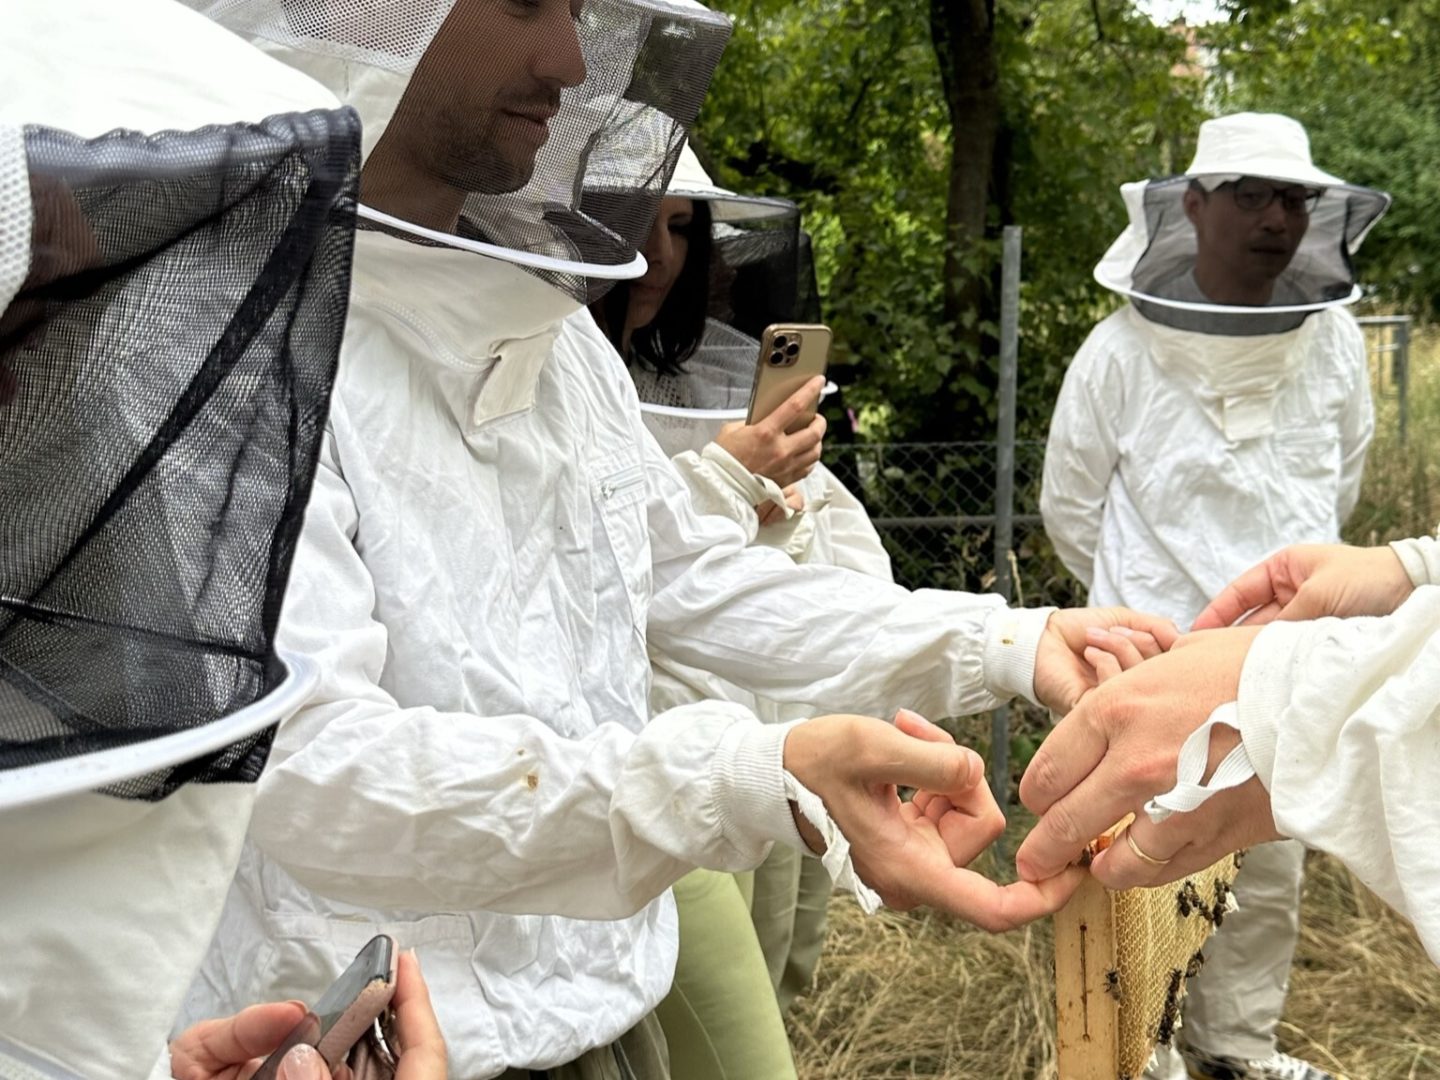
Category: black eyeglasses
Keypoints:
(1253, 194)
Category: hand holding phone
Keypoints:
(790, 356)
(350, 1011)
(785, 445)
(229, 1047)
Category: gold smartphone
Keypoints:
(791, 354)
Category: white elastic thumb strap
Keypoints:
(753, 487)
(1188, 793)
(836, 859)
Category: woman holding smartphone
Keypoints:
(722, 267)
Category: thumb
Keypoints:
(917, 727)
(303, 1062)
(795, 406)
(921, 762)
(1307, 603)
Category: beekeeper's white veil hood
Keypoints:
(1154, 260)
(481, 117)
(1270, 215)
(756, 267)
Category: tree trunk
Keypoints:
(963, 32)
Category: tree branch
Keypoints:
(761, 159)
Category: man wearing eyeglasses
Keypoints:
(1221, 414)
(1247, 231)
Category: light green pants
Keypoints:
(720, 1018)
(791, 896)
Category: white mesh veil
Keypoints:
(1153, 262)
(482, 117)
(1266, 212)
(687, 410)
(15, 215)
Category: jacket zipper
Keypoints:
(624, 480)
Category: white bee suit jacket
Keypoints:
(492, 540)
(832, 530)
(1177, 459)
(1341, 719)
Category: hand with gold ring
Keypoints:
(1119, 748)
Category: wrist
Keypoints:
(1265, 688)
(808, 833)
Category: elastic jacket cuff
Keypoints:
(1421, 559)
(1266, 684)
(749, 776)
(1012, 638)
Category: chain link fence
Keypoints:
(935, 507)
(1387, 339)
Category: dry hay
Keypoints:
(924, 997)
(1364, 996)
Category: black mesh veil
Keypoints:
(486, 119)
(165, 373)
(759, 270)
(1154, 260)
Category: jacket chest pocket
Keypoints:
(618, 492)
(1310, 457)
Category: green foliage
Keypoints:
(838, 104)
(1364, 78)
(1090, 106)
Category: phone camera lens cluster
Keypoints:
(785, 350)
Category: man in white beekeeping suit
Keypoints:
(494, 537)
(1220, 415)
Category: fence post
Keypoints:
(1005, 484)
(1402, 334)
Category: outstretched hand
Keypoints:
(1064, 674)
(915, 853)
(1310, 581)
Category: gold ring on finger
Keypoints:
(1142, 856)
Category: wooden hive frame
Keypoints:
(1121, 962)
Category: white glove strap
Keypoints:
(836, 859)
(1188, 793)
(753, 487)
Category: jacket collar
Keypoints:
(489, 325)
(1235, 379)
